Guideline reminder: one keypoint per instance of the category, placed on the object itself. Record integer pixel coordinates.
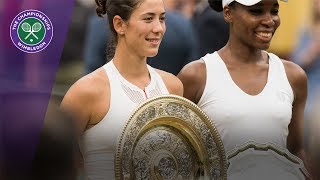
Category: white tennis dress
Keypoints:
(240, 117)
(99, 142)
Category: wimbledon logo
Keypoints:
(31, 31)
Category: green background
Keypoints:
(40, 34)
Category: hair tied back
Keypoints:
(102, 8)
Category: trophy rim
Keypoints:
(265, 147)
(192, 106)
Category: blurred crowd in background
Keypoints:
(193, 29)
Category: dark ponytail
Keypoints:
(122, 8)
(101, 7)
(216, 5)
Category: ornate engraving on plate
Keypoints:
(169, 137)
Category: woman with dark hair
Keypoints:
(103, 100)
(250, 94)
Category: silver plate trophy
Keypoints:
(169, 137)
(264, 162)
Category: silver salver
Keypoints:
(267, 161)
(169, 137)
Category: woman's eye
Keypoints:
(275, 11)
(148, 18)
(256, 11)
(162, 18)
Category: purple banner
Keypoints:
(32, 39)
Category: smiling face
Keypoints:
(145, 28)
(254, 25)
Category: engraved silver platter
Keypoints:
(264, 162)
(169, 137)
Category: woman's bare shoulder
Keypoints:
(193, 77)
(193, 70)
(172, 83)
(296, 75)
(83, 98)
(86, 90)
(297, 78)
(90, 84)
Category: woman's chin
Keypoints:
(264, 47)
(152, 54)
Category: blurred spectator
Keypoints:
(74, 42)
(211, 29)
(178, 46)
(307, 55)
(314, 142)
(188, 7)
(96, 40)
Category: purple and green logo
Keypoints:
(31, 31)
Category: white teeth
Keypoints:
(153, 40)
(265, 35)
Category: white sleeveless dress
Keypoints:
(98, 143)
(240, 117)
